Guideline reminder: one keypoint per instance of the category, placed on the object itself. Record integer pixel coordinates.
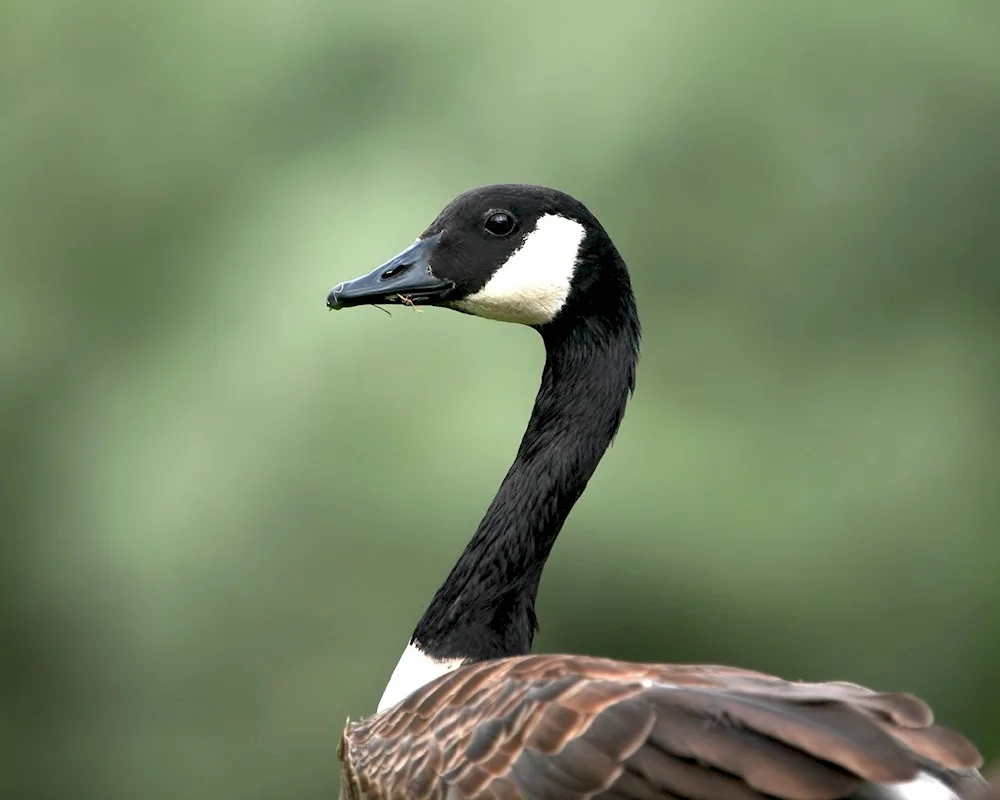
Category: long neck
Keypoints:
(486, 607)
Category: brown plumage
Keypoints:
(573, 727)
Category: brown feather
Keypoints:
(689, 779)
(767, 765)
(573, 727)
(834, 733)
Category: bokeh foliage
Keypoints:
(224, 508)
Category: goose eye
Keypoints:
(499, 223)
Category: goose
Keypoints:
(469, 712)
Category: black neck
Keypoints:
(486, 607)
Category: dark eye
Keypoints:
(499, 223)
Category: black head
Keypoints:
(509, 252)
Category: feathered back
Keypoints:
(571, 727)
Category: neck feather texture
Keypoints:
(486, 607)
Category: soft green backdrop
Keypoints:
(223, 508)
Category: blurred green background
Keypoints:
(224, 508)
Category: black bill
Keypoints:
(407, 278)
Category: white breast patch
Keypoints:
(413, 670)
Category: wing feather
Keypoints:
(572, 727)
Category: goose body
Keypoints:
(468, 712)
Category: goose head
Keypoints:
(508, 252)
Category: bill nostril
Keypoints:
(393, 271)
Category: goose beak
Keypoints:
(407, 278)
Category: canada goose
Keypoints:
(467, 712)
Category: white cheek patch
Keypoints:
(414, 669)
(531, 287)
